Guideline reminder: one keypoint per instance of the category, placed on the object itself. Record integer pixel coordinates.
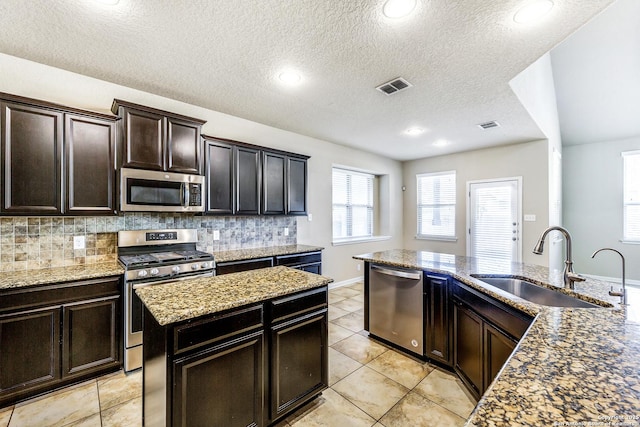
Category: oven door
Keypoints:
(143, 191)
(133, 318)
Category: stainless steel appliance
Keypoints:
(145, 190)
(152, 257)
(396, 304)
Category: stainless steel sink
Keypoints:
(535, 293)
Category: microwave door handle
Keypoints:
(185, 194)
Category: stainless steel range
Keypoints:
(152, 257)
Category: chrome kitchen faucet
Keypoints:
(568, 274)
(623, 292)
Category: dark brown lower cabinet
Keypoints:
(55, 335)
(221, 386)
(498, 346)
(298, 362)
(243, 265)
(437, 324)
(468, 351)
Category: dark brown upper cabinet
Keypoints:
(90, 165)
(31, 159)
(158, 140)
(55, 160)
(245, 179)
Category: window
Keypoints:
(631, 160)
(352, 204)
(437, 205)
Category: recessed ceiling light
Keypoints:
(533, 11)
(108, 2)
(398, 8)
(290, 77)
(414, 131)
(440, 143)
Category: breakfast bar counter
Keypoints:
(574, 366)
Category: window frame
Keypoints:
(349, 205)
(419, 206)
(625, 203)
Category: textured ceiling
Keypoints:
(597, 77)
(224, 55)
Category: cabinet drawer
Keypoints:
(59, 293)
(301, 303)
(245, 265)
(509, 320)
(198, 333)
(299, 259)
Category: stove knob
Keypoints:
(154, 271)
(176, 269)
(142, 273)
(194, 266)
(204, 265)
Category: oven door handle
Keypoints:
(175, 279)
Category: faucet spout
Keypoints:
(569, 275)
(623, 292)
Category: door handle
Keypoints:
(185, 194)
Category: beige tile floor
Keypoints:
(370, 385)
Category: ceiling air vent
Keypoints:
(394, 86)
(488, 125)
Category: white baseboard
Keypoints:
(346, 282)
(635, 283)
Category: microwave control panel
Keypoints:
(195, 194)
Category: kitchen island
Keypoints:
(239, 349)
(573, 365)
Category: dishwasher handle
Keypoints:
(397, 273)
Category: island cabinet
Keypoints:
(55, 335)
(246, 179)
(247, 366)
(158, 140)
(306, 261)
(56, 160)
(437, 323)
(485, 333)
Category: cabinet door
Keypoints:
(247, 172)
(273, 184)
(437, 321)
(183, 146)
(29, 350)
(144, 137)
(31, 160)
(222, 386)
(296, 186)
(298, 362)
(90, 167)
(468, 346)
(90, 336)
(497, 349)
(219, 177)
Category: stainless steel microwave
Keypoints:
(155, 191)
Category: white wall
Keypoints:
(593, 206)
(528, 160)
(30, 79)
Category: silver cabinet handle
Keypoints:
(397, 273)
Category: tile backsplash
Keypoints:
(28, 243)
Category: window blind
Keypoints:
(352, 195)
(437, 204)
(631, 198)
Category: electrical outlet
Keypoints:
(216, 234)
(78, 242)
(286, 231)
(309, 217)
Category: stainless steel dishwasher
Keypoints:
(396, 305)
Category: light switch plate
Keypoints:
(529, 217)
(216, 234)
(309, 217)
(78, 242)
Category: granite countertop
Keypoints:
(574, 366)
(188, 299)
(26, 278)
(270, 251)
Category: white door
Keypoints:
(493, 219)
